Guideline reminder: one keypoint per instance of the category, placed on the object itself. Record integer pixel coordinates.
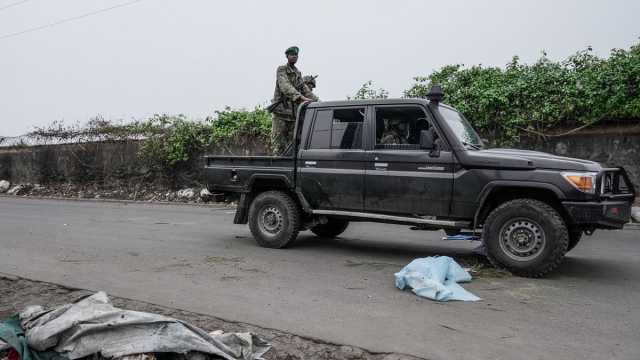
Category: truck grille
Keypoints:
(615, 182)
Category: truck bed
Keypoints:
(236, 173)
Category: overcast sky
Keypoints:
(196, 56)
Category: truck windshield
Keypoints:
(461, 128)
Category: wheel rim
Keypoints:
(270, 220)
(522, 239)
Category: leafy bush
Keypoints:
(367, 91)
(168, 141)
(230, 124)
(171, 140)
(180, 140)
(504, 103)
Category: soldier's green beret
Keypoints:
(292, 50)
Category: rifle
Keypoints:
(273, 106)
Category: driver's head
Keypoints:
(292, 55)
(397, 125)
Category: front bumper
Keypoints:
(604, 214)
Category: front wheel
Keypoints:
(526, 236)
(274, 219)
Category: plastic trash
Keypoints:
(462, 237)
(436, 278)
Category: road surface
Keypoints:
(341, 291)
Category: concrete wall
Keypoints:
(88, 162)
(118, 161)
(104, 163)
(612, 146)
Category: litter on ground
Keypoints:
(462, 237)
(435, 278)
(93, 327)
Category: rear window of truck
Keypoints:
(337, 129)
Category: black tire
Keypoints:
(331, 229)
(527, 237)
(274, 219)
(574, 238)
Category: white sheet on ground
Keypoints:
(436, 278)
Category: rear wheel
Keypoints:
(274, 219)
(331, 229)
(528, 237)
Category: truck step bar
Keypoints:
(395, 219)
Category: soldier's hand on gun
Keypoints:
(304, 98)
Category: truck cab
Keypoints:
(419, 162)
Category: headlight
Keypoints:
(585, 182)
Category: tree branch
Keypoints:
(545, 136)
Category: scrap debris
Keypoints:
(93, 328)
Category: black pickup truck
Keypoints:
(529, 208)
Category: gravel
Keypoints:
(138, 192)
(4, 186)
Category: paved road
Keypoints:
(338, 290)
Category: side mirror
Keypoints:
(427, 141)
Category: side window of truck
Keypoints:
(337, 129)
(399, 127)
(321, 133)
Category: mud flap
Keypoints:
(242, 211)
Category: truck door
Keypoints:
(331, 163)
(399, 176)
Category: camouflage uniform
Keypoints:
(289, 88)
(392, 136)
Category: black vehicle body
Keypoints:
(451, 186)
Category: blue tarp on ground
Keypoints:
(436, 278)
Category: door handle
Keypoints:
(310, 163)
(381, 166)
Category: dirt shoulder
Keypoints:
(18, 292)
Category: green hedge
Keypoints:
(179, 140)
(504, 103)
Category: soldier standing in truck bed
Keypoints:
(290, 92)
